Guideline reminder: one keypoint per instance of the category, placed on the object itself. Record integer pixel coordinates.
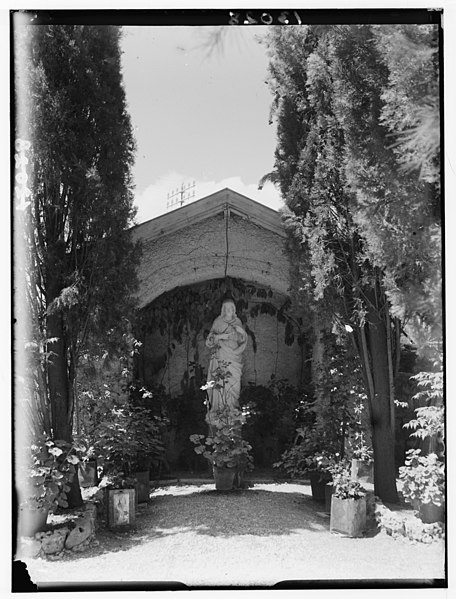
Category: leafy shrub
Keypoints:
(344, 486)
(52, 468)
(423, 478)
(273, 413)
(224, 447)
(129, 439)
(400, 524)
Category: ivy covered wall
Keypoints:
(174, 327)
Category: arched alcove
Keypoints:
(174, 327)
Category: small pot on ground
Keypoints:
(224, 478)
(430, 513)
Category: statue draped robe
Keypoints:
(226, 354)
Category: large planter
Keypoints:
(318, 484)
(142, 486)
(224, 478)
(348, 516)
(87, 474)
(121, 508)
(31, 521)
(429, 513)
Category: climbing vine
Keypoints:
(184, 313)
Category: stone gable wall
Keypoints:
(199, 252)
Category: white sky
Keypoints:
(198, 116)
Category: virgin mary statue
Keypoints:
(227, 340)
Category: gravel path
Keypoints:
(259, 536)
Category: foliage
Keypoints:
(301, 459)
(129, 439)
(337, 412)
(364, 230)
(79, 258)
(52, 468)
(224, 447)
(273, 412)
(423, 478)
(397, 524)
(344, 486)
(117, 480)
(358, 446)
(429, 423)
(363, 452)
(184, 314)
(331, 422)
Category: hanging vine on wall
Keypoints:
(186, 312)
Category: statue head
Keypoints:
(228, 309)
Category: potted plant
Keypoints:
(129, 442)
(319, 467)
(348, 505)
(120, 500)
(423, 484)
(47, 480)
(228, 453)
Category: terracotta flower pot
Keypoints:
(348, 516)
(224, 478)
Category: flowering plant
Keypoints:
(344, 486)
(224, 447)
(423, 478)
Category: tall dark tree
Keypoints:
(80, 272)
(351, 208)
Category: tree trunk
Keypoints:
(382, 434)
(58, 378)
(59, 394)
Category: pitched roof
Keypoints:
(225, 199)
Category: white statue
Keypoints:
(227, 340)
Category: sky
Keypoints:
(198, 115)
